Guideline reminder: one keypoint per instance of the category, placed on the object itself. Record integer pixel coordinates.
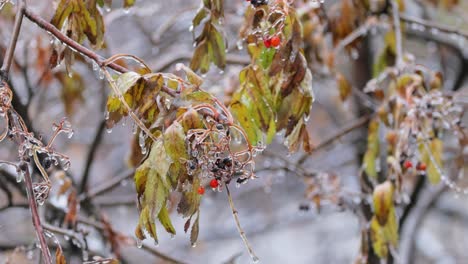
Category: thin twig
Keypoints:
(433, 25)
(239, 228)
(91, 153)
(356, 124)
(161, 255)
(107, 185)
(357, 33)
(397, 28)
(4, 71)
(36, 219)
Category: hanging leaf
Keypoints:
(210, 45)
(384, 223)
(372, 152)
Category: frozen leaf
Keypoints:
(383, 201)
(166, 221)
(174, 142)
(210, 45)
(195, 230)
(372, 152)
(433, 159)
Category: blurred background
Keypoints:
(280, 220)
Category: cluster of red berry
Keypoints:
(214, 183)
(421, 166)
(274, 41)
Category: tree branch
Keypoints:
(99, 60)
(4, 71)
(107, 186)
(91, 154)
(35, 217)
(330, 140)
(397, 28)
(433, 25)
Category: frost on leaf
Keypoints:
(384, 223)
(79, 20)
(275, 91)
(210, 44)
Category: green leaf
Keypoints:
(190, 201)
(383, 201)
(166, 221)
(219, 48)
(243, 113)
(372, 152)
(431, 155)
(174, 142)
(201, 14)
(266, 57)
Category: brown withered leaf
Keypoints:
(59, 257)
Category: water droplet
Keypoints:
(70, 133)
(240, 44)
(354, 54)
(101, 74)
(139, 243)
(95, 66)
(191, 28)
(194, 245)
(109, 130)
(255, 259)
(106, 115)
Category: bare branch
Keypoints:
(330, 140)
(35, 217)
(397, 28)
(255, 259)
(90, 157)
(4, 71)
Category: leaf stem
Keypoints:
(255, 259)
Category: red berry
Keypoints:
(421, 166)
(214, 183)
(267, 42)
(201, 190)
(275, 41)
(408, 164)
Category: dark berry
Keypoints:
(258, 3)
(47, 163)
